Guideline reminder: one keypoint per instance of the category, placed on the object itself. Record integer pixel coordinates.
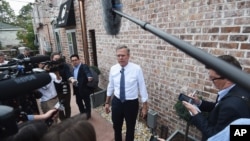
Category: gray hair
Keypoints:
(123, 46)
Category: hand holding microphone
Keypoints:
(58, 107)
(73, 81)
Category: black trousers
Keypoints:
(86, 107)
(128, 111)
(65, 98)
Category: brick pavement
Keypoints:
(103, 128)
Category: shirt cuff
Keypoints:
(30, 117)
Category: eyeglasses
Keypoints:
(217, 78)
(74, 60)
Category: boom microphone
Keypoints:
(112, 21)
(37, 59)
(15, 87)
(222, 67)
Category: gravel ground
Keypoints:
(142, 132)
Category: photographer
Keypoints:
(63, 88)
(49, 95)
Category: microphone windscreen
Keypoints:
(38, 59)
(18, 86)
(112, 21)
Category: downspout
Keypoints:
(84, 34)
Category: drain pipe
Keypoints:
(84, 33)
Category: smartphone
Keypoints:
(183, 97)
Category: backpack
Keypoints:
(94, 83)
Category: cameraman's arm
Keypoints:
(43, 116)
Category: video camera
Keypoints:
(54, 66)
(16, 84)
(19, 67)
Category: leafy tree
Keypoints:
(24, 18)
(24, 21)
(7, 15)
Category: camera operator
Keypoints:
(63, 88)
(49, 95)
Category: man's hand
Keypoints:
(73, 81)
(107, 108)
(50, 113)
(191, 108)
(144, 110)
(196, 100)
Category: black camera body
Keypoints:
(183, 97)
(54, 66)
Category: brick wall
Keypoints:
(215, 26)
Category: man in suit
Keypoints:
(82, 74)
(232, 103)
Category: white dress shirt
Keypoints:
(4, 62)
(49, 91)
(134, 82)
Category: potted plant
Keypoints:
(183, 113)
(99, 95)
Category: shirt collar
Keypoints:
(224, 92)
(76, 67)
(125, 66)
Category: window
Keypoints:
(71, 36)
(58, 43)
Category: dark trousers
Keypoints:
(65, 99)
(128, 111)
(86, 107)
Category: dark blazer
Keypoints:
(230, 108)
(82, 79)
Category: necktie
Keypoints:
(122, 86)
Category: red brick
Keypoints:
(229, 45)
(245, 46)
(230, 29)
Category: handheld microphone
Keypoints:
(14, 87)
(220, 66)
(112, 21)
(59, 107)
